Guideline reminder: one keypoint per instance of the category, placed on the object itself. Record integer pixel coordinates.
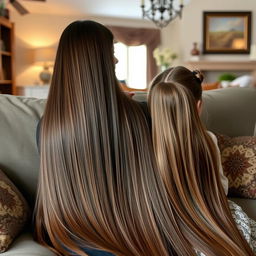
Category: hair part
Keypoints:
(189, 79)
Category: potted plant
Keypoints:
(225, 79)
(164, 58)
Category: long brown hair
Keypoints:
(187, 161)
(99, 186)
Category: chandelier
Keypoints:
(162, 12)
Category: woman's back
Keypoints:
(99, 186)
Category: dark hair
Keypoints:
(190, 79)
(99, 186)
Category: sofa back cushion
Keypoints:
(229, 111)
(18, 151)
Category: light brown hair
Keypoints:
(187, 161)
(99, 186)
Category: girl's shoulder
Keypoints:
(212, 135)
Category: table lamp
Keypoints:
(45, 57)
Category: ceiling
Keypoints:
(107, 8)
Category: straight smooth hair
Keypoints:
(99, 186)
(187, 161)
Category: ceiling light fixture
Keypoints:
(162, 12)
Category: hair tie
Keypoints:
(198, 75)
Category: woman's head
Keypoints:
(189, 79)
(84, 56)
(86, 42)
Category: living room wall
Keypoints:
(181, 34)
(36, 30)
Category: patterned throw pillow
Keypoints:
(238, 157)
(14, 212)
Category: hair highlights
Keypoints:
(99, 186)
(186, 158)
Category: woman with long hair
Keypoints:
(99, 187)
(188, 162)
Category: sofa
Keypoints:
(230, 111)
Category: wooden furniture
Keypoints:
(34, 91)
(7, 81)
(125, 88)
(211, 68)
(211, 86)
(208, 65)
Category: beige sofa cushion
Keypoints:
(25, 246)
(18, 151)
(229, 111)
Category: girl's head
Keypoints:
(192, 80)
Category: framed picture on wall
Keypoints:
(226, 32)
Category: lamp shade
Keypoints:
(44, 56)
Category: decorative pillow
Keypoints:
(243, 81)
(14, 212)
(238, 157)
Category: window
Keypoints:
(132, 65)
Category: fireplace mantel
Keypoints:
(206, 65)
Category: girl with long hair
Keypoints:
(193, 81)
(189, 165)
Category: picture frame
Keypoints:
(226, 32)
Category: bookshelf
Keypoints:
(7, 81)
